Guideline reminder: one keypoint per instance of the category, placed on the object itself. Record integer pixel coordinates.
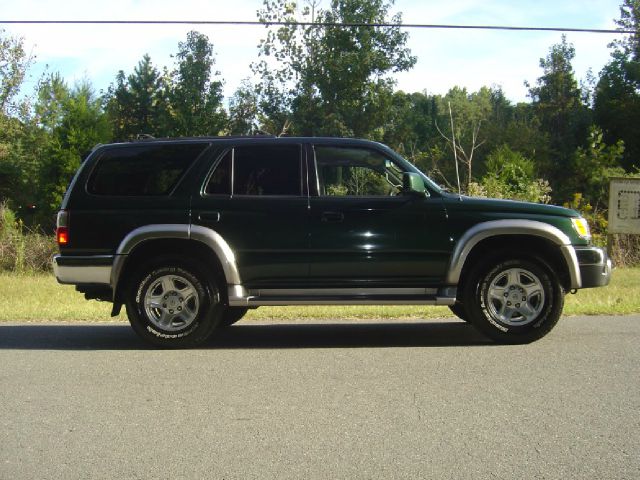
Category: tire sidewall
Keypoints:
(232, 315)
(460, 311)
(481, 317)
(198, 330)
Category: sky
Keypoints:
(446, 58)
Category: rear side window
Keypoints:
(143, 170)
(258, 170)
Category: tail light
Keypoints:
(62, 228)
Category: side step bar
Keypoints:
(239, 297)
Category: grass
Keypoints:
(39, 298)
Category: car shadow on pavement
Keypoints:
(248, 336)
(348, 335)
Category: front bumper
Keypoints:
(88, 270)
(595, 266)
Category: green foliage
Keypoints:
(20, 149)
(20, 140)
(14, 64)
(594, 165)
(186, 101)
(557, 102)
(332, 80)
(21, 249)
(597, 218)
(243, 110)
(617, 106)
(11, 241)
(511, 175)
(364, 181)
(629, 20)
(136, 104)
(460, 123)
(76, 123)
(410, 123)
(195, 98)
(617, 95)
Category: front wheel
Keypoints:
(459, 311)
(514, 300)
(174, 305)
(232, 315)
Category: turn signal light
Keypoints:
(582, 227)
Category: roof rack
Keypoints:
(147, 137)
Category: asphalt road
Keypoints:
(356, 400)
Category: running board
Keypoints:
(239, 297)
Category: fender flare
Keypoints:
(497, 228)
(207, 236)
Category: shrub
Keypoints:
(511, 175)
(22, 249)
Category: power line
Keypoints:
(317, 25)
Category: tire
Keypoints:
(231, 315)
(174, 305)
(459, 311)
(513, 300)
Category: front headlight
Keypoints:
(581, 226)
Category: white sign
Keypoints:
(624, 205)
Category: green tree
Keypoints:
(411, 125)
(617, 95)
(14, 65)
(333, 80)
(594, 165)
(52, 93)
(519, 127)
(195, 98)
(461, 119)
(557, 102)
(75, 129)
(135, 104)
(186, 101)
(243, 110)
(19, 137)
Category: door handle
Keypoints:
(332, 217)
(209, 216)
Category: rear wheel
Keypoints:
(174, 305)
(513, 300)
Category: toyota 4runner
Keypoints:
(190, 233)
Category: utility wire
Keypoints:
(316, 24)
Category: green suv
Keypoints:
(189, 234)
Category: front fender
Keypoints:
(497, 228)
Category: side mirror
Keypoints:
(413, 184)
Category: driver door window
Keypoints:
(355, 172)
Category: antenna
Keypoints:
(455, 150)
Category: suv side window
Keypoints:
(220, 180)
(258, 170)
(142, 170)
(350, 171)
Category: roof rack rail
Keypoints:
(147, 137)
